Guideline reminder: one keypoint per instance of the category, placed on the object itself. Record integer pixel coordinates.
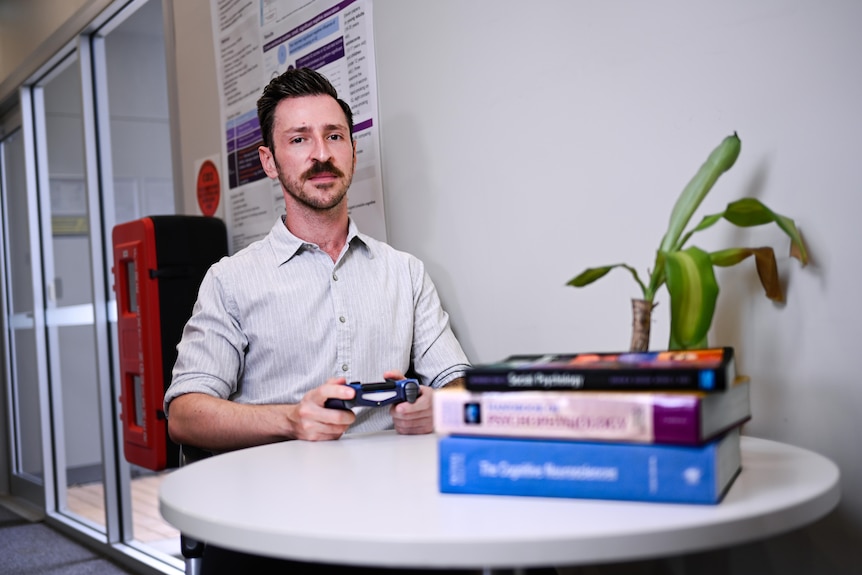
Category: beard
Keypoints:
(331, 194)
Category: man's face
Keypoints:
(314, 154)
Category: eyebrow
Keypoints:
(326, 128)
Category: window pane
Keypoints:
(140, 126)
(69, 288)
(142, 175)
(27, 426)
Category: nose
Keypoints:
(321, 151)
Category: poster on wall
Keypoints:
(258, 40)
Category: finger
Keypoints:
(414, 426)
(334, 388)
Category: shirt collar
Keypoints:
(286, 245)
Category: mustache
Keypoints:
(323, 168)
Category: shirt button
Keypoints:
(334, 276)
(342, 319)
(344, 367)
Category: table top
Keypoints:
(373, 499)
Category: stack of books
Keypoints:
(653, 426)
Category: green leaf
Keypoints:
(701, 344)
(748, 212)
(797, 245)
(729, 257)
(719, 161)
(693, 292)
(704, 223)
(590, 275)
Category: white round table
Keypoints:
(373, 500)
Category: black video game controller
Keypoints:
(377, 394)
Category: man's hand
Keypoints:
(413, 418)
(312, 421)
(221, 425)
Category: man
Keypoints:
(279, 327)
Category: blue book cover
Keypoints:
(591, 470)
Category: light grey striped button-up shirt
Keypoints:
(279, 318)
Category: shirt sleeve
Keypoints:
(437, 355)
(211, 353)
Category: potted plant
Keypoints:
(688, 271)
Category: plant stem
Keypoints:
(641, 318)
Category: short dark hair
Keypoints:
(294, 83)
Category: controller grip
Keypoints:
(411, 391)
(334, 403)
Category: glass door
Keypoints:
(67, 261)
(25, 349)
(136, 171)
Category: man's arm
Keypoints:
(217, 424)
(436, 354)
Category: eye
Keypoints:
(336, 137)
(297, 140)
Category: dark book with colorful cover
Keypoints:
(574, 469)
(672, 417)
(695, 370)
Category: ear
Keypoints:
(267, 160)
(354, 153)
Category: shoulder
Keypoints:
(391, 256)
(239, 264)
(258, 255)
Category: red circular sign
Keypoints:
(209, 188)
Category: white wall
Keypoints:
(523, 142)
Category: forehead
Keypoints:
(309, 112)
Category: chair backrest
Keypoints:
(159, 263)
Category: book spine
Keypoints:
(633, 417)
(619, 471)
(560, 379)
(678, 420)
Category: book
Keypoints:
(703, 369)
(589, 470)
(683, 418)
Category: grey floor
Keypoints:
(35, 548)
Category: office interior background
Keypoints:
(521, 143)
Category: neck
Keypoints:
(327, 230)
